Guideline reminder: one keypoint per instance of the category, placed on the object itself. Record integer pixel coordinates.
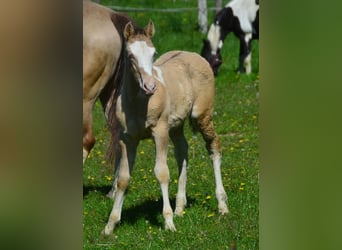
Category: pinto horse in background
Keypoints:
(153, 102)
(240, 17)
(102, 52)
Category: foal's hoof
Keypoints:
(179, 211)
(223, 209)
(107, 231)
(170, 226)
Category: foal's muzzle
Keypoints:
(149, 88)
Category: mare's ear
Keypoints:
(149, 29)
(129, 30)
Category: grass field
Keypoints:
(236, 122)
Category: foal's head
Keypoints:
(211, 50)
(140, 53)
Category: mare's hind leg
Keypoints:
(181, 154)
(206, 127)
(124, 167)
(88, 136)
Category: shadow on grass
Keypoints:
(148, 209)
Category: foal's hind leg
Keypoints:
(206, 127)
(181, 154)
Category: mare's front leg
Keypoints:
(161, 170)
(245, 55)
(125, 165)
(88, 136)
(181, 154)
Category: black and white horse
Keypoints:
(240, 17)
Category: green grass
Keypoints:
(236, 122)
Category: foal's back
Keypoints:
(189, 82)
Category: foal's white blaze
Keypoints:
(214, 38)
(144, 55)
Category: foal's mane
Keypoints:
(112, 89)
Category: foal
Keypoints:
(154, 101)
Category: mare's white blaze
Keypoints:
(246, 11)
(214, 37)
(144, 55)
(159, 75)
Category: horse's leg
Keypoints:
(181, 154)
(245, 55)
(111, 193)
(161, 170)
(88, 136)
(206, 127)
(124, 168)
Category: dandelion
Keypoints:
(231, 149)
(175, 181)
(142, 152)
(108, 178)
(103, 162)
(208, 197)
(211, 215)
(183, 212)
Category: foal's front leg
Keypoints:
(124, 167)
(181, 154)
(161, 170)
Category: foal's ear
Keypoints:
(149, 29)
(129, 30)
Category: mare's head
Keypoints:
(140, 54)
(211, 50)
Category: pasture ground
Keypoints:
(236, 122)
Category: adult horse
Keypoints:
(102, 43)
(240, 17)
(154, 101)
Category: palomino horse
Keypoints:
(102, 43)
(154, 101)
(240, 17)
